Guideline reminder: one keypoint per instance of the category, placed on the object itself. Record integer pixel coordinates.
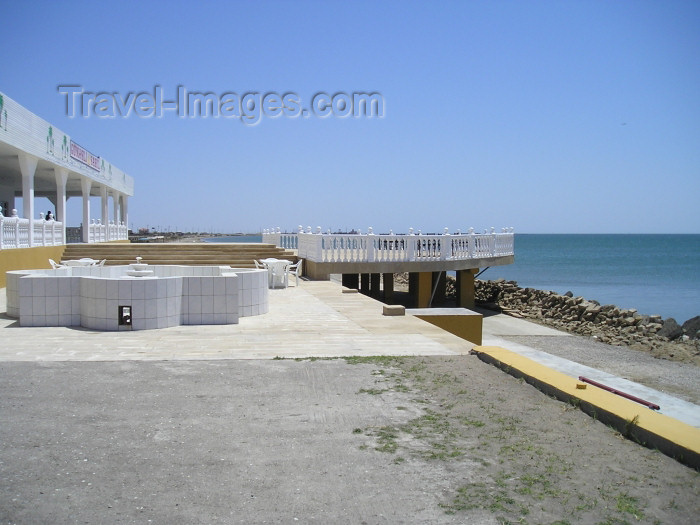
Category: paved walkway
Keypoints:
(312, 320)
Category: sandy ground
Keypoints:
(365, 440)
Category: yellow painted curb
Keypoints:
(635, 421)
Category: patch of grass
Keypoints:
(630, 425)
(479, 496)
(466, 498)
(444, 379)
(629, 505)
(372, 391)
(672, 504)
(379, 360)
(431, 424)
(418, 367)
(614, 521)
(441, 452)
(386, 439)
(472, 422)
(586, 505)
(499, 502)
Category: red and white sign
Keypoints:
(82, 155)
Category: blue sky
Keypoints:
(546, 116)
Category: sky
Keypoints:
(544, 116)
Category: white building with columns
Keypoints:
(39, 160)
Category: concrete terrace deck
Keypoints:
(317, 320)
(313, 320)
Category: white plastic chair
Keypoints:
(101, 263)
(296, 270)
(278, 273)
(55, 265)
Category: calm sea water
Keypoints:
(656, 274)
(236, 238)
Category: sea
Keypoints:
(657, 274)
(235, 238)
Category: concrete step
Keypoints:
(199, 254)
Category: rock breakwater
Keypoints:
(606, 323)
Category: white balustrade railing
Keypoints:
(356, 247)
(98, 232)
(288, 241)
(48, 233)
(14, 232)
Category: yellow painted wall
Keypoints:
(465, 278)
(312, 271)
(652, 429)
(425, 282)
(467, 327)
(28, 259)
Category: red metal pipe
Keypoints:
(620, 393)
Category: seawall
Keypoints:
(606, 323)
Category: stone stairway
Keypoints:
(205, 253)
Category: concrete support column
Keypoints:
(388, 279)
(419, 288)
(364, 283)
(351, 280)
(27, 164)
(85, 185)
(465, 288)
(375, 280)
(439, 279)
(61, 181)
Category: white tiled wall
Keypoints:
(41, 302)
(91, 296)
(210, 300)
(253, 293)
(154, 303)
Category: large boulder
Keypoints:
(691, 327)
(670, 329)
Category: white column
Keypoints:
(105, 211)
(61, 181)
(115, 204)
(125, 210)
(27, 164)
(85, 184)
